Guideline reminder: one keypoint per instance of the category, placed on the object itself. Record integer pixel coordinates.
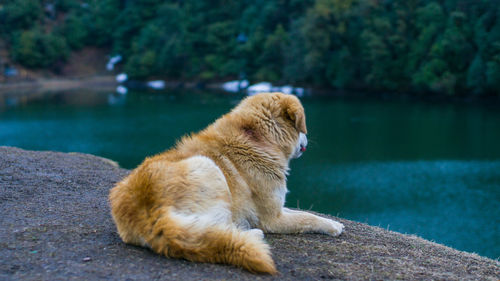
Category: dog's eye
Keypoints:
(288, 116)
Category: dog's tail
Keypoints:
(214, 244)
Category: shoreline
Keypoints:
(60, 84)
(109, 83)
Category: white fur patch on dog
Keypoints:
(218, 215)
(280, 194)
(301, 142)
(202, 168)
(209, 186)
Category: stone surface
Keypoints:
(56, 225)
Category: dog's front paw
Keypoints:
(256, 232)
(333, 228)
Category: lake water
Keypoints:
(427, 169)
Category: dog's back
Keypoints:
(181, 208)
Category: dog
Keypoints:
(212, 196)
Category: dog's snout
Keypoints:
(302, 142)
(303, 139)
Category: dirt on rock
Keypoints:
(56, 225)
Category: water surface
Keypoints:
(427, 169)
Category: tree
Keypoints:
(36, 49)
(21, 14)
(476, 75)
(272, 58)
(74, 31)
(328, 40)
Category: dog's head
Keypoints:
(277, 119)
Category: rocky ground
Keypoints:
(55, 225)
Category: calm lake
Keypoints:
(420, 168)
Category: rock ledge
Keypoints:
(56, 225)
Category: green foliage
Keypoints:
(326, 28)
(448, 59)
(143, 61)
(476, 75)
(272, 58)
(74, 31)
(100, 18)
(66, 5)
(20, 14)
(142, 65)
(450, 47)
(493, 75)
(36, 49)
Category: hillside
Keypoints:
(422, 47)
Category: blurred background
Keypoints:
(402, 97)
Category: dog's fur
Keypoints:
(209, 198)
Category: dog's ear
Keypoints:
(295, 112)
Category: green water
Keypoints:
(427, 169)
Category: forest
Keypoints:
(449, 47)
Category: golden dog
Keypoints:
(211, 197)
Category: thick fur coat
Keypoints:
(211, 197)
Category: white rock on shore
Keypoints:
(261, 87)
(235, 86)
(264, 87)
(121, 90)
(157, 84)
(112, 61)
(122, 77)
